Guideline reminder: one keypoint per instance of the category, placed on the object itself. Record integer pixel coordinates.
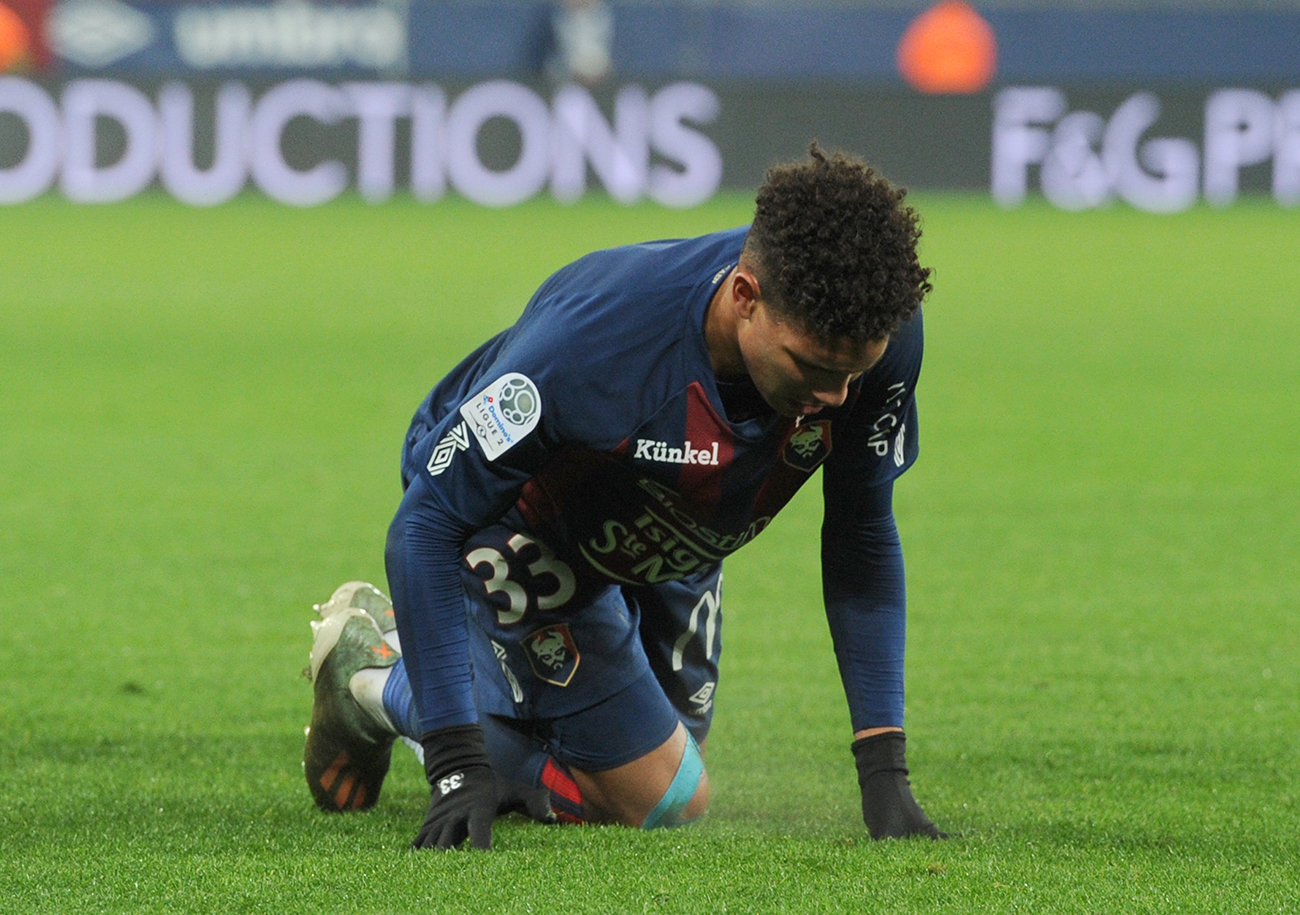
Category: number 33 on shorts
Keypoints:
(526, 568)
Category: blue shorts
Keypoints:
(594, 678)
(598, 675)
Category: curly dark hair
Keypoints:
(834, 248)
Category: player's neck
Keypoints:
(720, 334)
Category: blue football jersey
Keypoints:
(595, 423)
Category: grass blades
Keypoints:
(200, 414)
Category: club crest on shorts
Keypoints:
(808, 445)
(553, 654)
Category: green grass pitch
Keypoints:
(200, 413)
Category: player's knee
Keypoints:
(687, 796)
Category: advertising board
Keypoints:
(500, 142)
(304, 142)
(652, 41)
(114, 36)
(1157, 155)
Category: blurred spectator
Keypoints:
(581, 42)
(21, 25)
(13, 40)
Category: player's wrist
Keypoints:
(881, 751)
(453, 749)
(464, 789)
(889, 809)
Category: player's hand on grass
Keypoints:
(464, 800)
(516, 797)
(888, 807)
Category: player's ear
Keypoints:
(746, 292)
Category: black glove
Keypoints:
(467, 794)
(888, 808)
(464, 800)
(516, 797)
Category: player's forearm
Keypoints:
(866, 605)
(422, 560)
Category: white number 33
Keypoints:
(546, 564)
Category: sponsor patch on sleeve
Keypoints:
(503, 413)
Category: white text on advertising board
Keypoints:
(652, 147)
(1085, 160)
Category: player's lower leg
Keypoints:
(387, 692)
(623, 795)
(667, 787)
(364, 701)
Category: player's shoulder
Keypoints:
(625, 300)
(608, 339)
(908, 342)
(891, 382)
(903, 355)
(657, 266)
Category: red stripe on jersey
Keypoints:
(709, 436)
(792, 468)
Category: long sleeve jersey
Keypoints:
(596, 426)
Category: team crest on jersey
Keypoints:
(503, 413)
(553, 654)
(808, 445)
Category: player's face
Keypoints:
(797, 374)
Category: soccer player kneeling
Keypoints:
(572, 488)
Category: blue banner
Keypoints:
(751, 43)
